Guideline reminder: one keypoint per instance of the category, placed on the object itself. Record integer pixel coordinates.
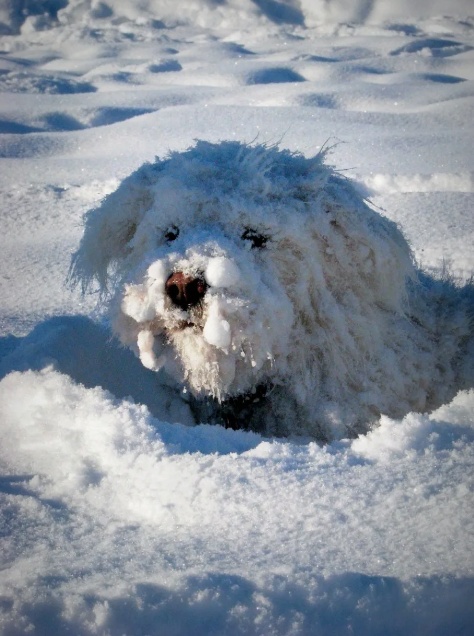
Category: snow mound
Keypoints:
(163, 521)
(28, 15)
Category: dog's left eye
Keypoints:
(171, 234)
(255, 239)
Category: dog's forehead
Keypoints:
(190, 208)
(214, 181)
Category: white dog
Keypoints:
(263, 283)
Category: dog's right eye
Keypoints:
(171, 234)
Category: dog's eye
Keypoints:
(171, 234)
(255, 239)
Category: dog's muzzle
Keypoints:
(185, 291)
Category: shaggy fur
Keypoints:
(311, 316)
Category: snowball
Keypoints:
(221, 272)
(146, 343)
(217, 330)
(156, 296)
(145, 340)
(157, 272)
(136, 304)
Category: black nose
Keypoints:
(185, 291)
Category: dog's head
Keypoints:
(234, 266)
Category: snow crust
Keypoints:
(117, 515)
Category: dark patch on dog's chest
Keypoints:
(247, 412)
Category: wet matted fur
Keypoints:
(266, 286)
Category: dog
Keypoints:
(268, 288)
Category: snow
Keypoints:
(117, 515)
(222, 272)
(217, 330)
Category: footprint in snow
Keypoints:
(274, 76)
(434, 47)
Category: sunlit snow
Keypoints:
(117, 515)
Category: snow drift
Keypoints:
(28, 15)
(123, 524)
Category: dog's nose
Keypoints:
(185, 291)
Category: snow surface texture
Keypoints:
(114, 521)
(305, 291)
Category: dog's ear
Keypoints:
(108, 230)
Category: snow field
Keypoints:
(222, 516)
(120, 518)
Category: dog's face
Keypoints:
(205, 298)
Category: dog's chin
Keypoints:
(205, 370)
(184, 324)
